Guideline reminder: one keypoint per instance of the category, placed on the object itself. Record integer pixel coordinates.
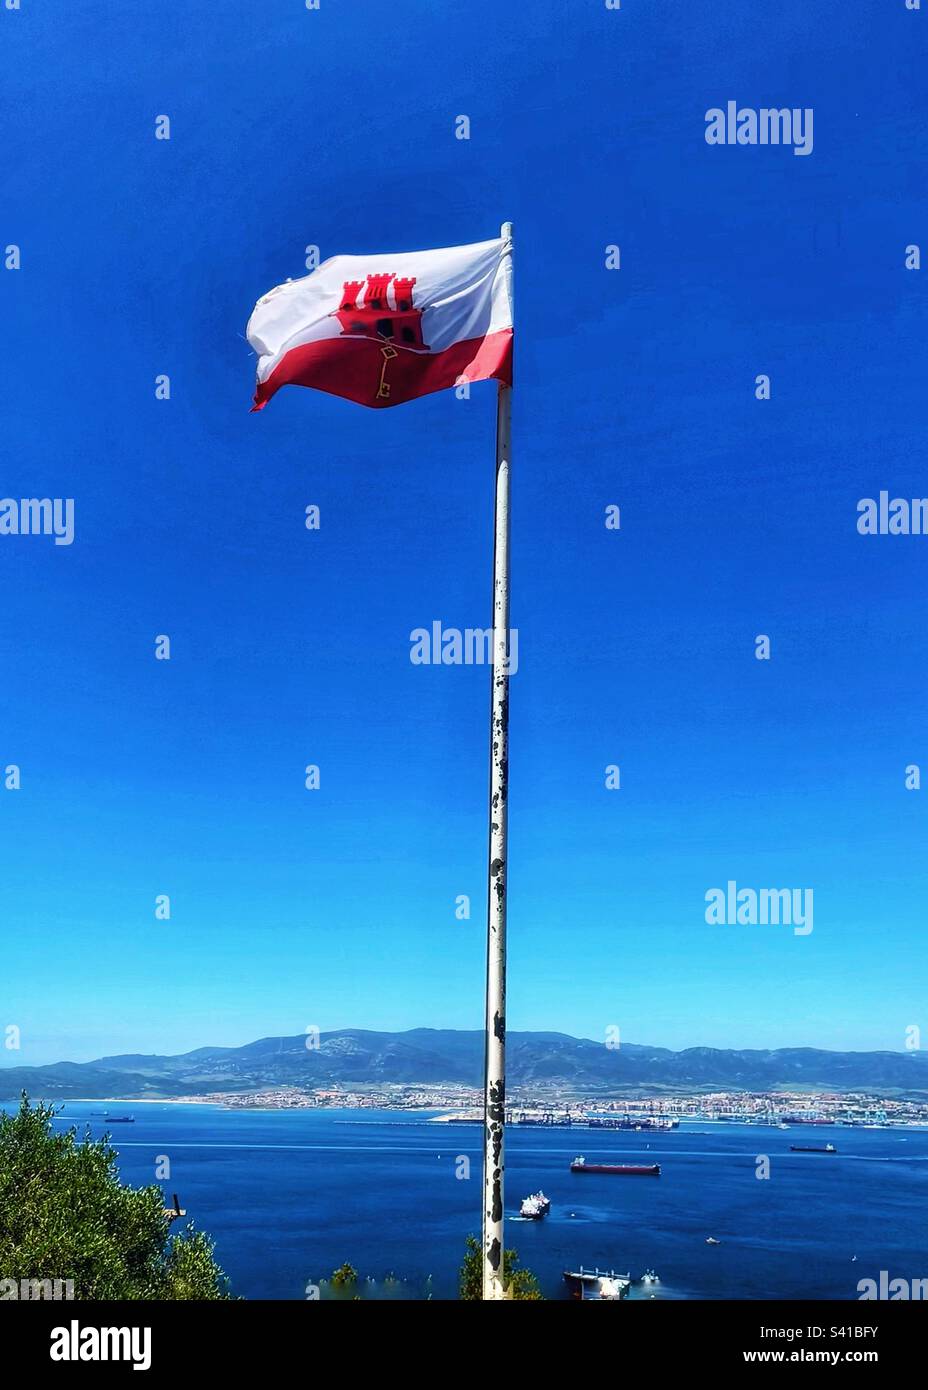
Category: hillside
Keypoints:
(355, 1057)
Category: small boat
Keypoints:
(812, 1149)
(649, 1277)
(633, 1170)
(535, 1206)
(711, 1240)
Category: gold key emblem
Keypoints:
(388, 353)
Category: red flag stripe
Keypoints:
(356, 369)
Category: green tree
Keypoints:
(344, 1276)
(64, 1214)
(518, 1283)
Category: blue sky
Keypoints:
(634, 387)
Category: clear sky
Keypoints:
(634, 387)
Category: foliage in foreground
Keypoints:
(519, 1283)
(64, 1214)
(345, 1276)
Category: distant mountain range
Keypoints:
(537, 1061)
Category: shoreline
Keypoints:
(446, 1115)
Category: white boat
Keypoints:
(594, 1285)
(535, 1206)
(612, 1289)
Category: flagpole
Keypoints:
(494, 1103)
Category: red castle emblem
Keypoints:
(398, 322)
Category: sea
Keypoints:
(289, 1196)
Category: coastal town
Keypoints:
(460, 1104)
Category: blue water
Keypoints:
(289, 1196)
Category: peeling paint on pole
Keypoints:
(495, 1073)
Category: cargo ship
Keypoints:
(636, 1122)
(630, 1170)
(812, 1149)
(798, 1118)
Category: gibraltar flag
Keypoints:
(384, 329)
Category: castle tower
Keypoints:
(375, 318)
(402, 291)
(376, 296)
(350, 291)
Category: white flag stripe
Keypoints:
(463, 291)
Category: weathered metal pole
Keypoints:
(494, 1113)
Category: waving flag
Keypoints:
(381, 330)
(384, 329)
